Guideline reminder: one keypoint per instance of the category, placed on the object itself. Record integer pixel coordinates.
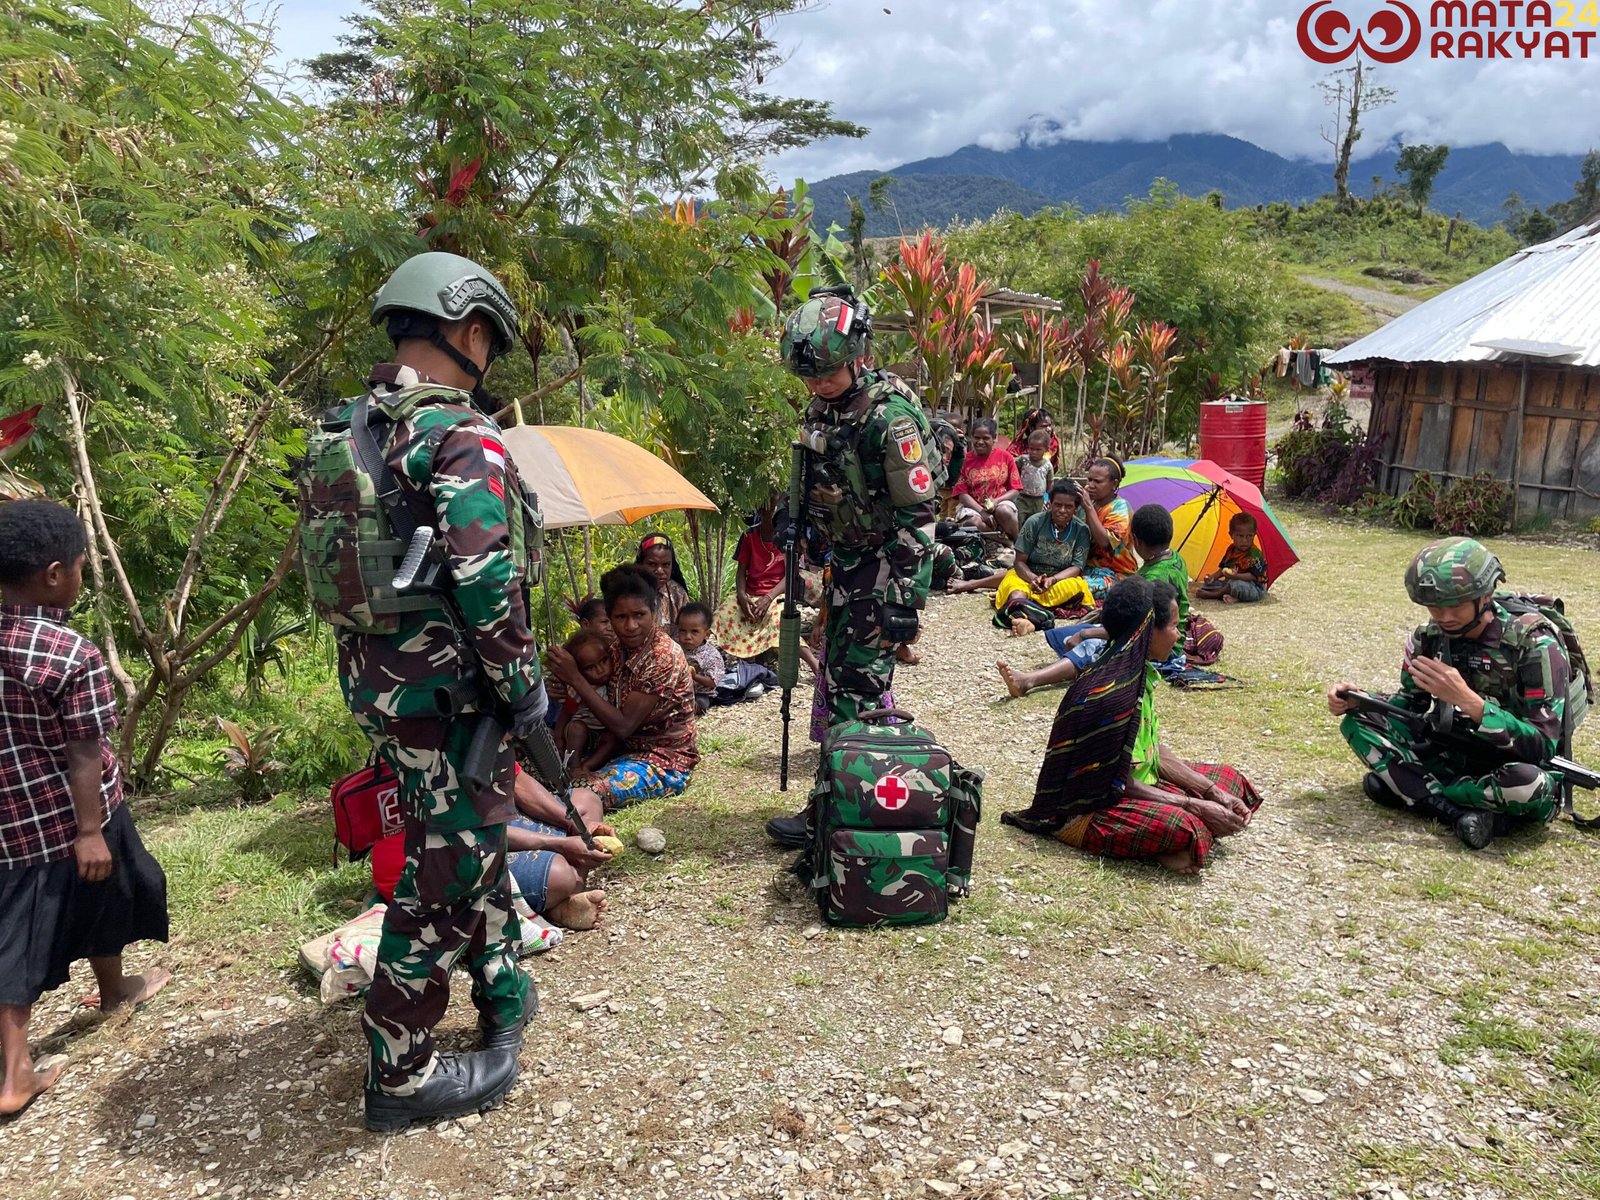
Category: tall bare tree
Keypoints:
(1352, 95)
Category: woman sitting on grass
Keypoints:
(658, 557)
(649, 702)
(1108, 785)
(1052, 550)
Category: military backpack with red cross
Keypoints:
(893, 822)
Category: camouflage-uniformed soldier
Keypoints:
(1503, 677)
(875, 476)
(449, 319)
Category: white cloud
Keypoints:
(930, 76)
(933, 75)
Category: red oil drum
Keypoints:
(1233, 434)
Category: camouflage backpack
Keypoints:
(894, 819)
(1580, 693)
(355, 530)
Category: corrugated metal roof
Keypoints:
(1546, 296)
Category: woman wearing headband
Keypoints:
(657, 556)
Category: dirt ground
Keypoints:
(1346, 1003)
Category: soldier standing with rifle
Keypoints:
(1494, 679)
(424, 438)
(873, 476)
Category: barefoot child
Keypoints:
(581, 737)
(705, 660)
(75, 881)
(1241, 576)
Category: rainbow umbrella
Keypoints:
(1202, 497)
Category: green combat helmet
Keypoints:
(1452, 571)
(829, 330)
(437, 286)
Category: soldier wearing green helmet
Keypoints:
(419, 459)
(873, 485)
(1486, 667)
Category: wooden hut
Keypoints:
(1500, 374)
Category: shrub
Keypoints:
(1462, 507)
(1476, 506)
(1310, 460)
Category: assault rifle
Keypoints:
(1438, 727)
(477, 768)
(789, 618)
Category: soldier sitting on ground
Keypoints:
(1501, 676)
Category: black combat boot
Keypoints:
(789, 832)
(461, 1084)
(1474, 826)
(508, 1037)
(1381, 793)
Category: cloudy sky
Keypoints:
(929, 76)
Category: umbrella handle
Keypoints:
(1210, 500)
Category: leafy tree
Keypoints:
(140, 222)
(1421, 165)
(1537, 226)
(1585, 202)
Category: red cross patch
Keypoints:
(891, 792)
(921, 480)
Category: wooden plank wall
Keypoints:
(1460, 421)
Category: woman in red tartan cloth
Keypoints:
(1108, 785)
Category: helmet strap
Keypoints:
(481, 398)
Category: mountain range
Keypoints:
(974, 182)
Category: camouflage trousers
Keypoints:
(453, 902)
(859, 668)
(1423, 776)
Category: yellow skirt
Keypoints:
(1073, 591)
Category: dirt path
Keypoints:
(1387, 305)
(1348, 1003)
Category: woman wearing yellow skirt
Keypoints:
(1052, 549)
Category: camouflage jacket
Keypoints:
(455, 475)
(875, 484)
(1518, 665)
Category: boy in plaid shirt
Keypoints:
(75, 881)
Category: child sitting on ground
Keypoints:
(705, 660)
(75, 881)
(1036, 473)
(1081, 644)
(581, 736)
(1241, 576)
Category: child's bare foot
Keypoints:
(1183, 862)
(1021, 627)
(135, 990)
(579, 912)
(1015, 682)
(1230, 599)
(18, 1093)
(906, 656)
(962, 585)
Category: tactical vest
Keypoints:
(352, 544)
(1492, 671)
(865, 515)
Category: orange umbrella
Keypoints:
(590, 477)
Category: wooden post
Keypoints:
(1516, 445)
